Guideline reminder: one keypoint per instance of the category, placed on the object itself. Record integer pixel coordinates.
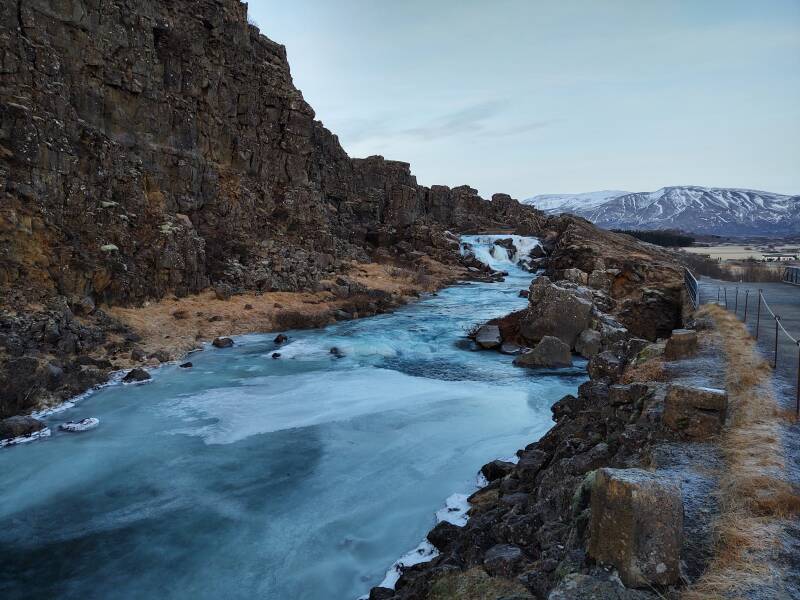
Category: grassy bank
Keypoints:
(755, 499)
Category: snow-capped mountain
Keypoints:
(721, 211)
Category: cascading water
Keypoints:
(304, 477)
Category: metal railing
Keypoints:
(770, 315)
(791, 275)
(692, 289)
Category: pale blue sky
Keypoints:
(530, 97)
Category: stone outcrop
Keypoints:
(555, 311)
(695, 412)
(637, 526)
(643, 282)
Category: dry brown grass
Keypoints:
(650, 370)
(160, 330)
(754, 498)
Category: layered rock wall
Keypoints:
(150, 146)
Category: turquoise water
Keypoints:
(301, 478)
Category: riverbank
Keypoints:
(663, 477)
(174, 326)
(309, 474)
(56, 351)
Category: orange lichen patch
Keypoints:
(755, 499)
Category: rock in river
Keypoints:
(222, 342)
(488, 337)
(136, 375)
(549, 352)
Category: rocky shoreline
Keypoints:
(167, 331)
(615, 501)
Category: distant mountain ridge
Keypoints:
(720, 211)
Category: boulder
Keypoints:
(21, 426)
(555, 311)
(488, 337)
(550, 352)
(496, 469)
(280, 338)
(636, 526)
(503, 560)
(530, 463)
(588, 343)
(681, 344)
(444, 535)
(695, 412)
(381, 593)
(186, 365)
(606, 365)
(626, 394)
(223, 291)
(222, 342)
(136, 375)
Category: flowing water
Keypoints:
(300, 478)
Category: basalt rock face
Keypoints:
(149, 146)
(643, 282)
(152, 147)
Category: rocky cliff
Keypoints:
(152, 147)
(160, 146)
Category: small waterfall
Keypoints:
(498, 257)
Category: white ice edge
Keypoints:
(24, 439)
(113, 379)
(455, 511)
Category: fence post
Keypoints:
(777, 320)
(758, 314)
(736, 302)
(725, 290)
(719, 291)
(746, 296)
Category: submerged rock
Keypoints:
(509, 348)
(186, 365)
(136, 375)
(78, 426)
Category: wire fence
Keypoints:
(768, 326)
